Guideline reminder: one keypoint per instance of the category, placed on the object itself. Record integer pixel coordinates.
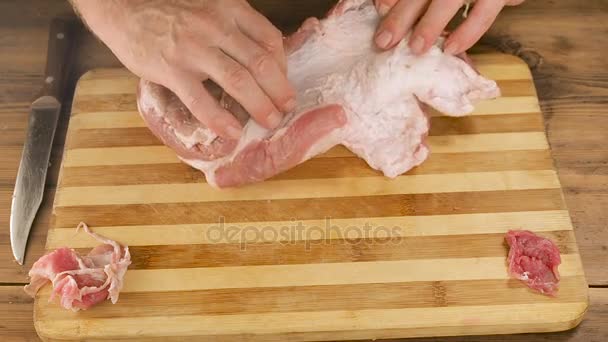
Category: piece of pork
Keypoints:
(82, 281)
(348, 92)
(534, 260)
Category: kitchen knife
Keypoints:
(44, 114)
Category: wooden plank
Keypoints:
(311, 188)
(304, 209)
(422, 294)
(141, 136)
(16, 314)
(378, 323)
(256, 246)
(439, 144)
(569, 72)
(16, 310)
(334, 167)
(463, 237)
(108, 81)
(429, 225)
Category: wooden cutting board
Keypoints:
(328, 250)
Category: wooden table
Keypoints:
(564, 42)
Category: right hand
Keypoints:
(179, 44)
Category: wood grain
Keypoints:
(559, 40)
(329, 231)
(18, 325)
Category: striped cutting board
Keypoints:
(328, 250)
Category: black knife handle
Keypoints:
(62, 37)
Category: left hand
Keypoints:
(428, 18)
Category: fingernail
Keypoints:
(274, 119)
(291, 105)
(417, 45)
(234, 132)
(383, 9)
(450, 48)
(384, 39)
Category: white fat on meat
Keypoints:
(82, 281)
(381, 92)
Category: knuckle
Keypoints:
(392, 22)
(190, 99)
(260, 63)
(237, 77)
(274, 41)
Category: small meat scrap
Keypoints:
(534, 260)
(82, 281)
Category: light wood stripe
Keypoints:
(335, 167)
(325, 298)
(432, 225)
(488, 142)
(192, 279)
(103, 86)
(310, 188)
(105, 120)
(119, 156)
(104, 103)
(99, 118)
(329, 251)
(504, 72)
(507, 105)
(304, 209)
(325, 321)
(438, 144)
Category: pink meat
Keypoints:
(534, 260)
(82, 281)
(348, 92)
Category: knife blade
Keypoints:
(43, 118)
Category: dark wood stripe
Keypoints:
(307, 209)
(440, 125)
(327, 251)
(432, 294)
(319, 168)
(111, 137)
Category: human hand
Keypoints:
(427, 20)
(171, 122)
(179, 44)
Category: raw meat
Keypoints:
(82, 281)
(348, 93)
(534, 260)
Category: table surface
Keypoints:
(564, 42)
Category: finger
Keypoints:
(470, 31)
(384, 6)
(260, 29)
(238, 82)
(264, 159)
(264, 69)
(169, 119)
(204, 107)
(398, 22)
(432, 24)
(295, 41)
